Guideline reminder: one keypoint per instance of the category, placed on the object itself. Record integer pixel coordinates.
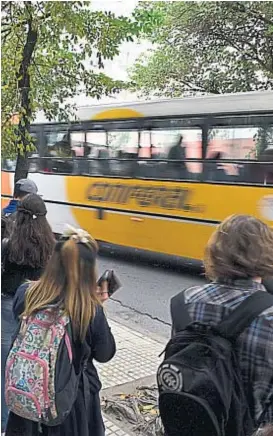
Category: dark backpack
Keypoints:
(200, 387)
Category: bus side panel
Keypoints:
(52, 188)
(191, 201)
(174, 218)
(168, 217)
(171, 237)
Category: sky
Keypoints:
(118, 67)
(129, 52)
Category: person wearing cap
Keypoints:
(22, 188)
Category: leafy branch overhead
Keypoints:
(205, 47)
(51, 52)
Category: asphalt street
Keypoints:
(147, 287)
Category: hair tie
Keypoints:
(29, 212)
(80, 236)
(85, 251)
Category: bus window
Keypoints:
(124, 146)
(178, 145)
(9, 164)
(147, 153)
(77, 141)
(123, 143)
(97, 141)
(237, 143)
(54, 137)
(267, 169)
(81, 149)
(264, 144)
(98, 149)
(146, 150)
(58, 149)
(34, 162)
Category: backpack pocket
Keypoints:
(187, 415)
(23, 404)
(27, 386)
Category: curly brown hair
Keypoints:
(241, 247)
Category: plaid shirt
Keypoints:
(212, 302)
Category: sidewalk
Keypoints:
(137, 357)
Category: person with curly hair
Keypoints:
(238, 256)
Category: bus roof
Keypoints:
(213, 104)
(248, 102)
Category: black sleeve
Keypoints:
(268, 284)
(103, 346)
(179, 313)
(19, 301)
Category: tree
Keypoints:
(205, 47)
(51, 52)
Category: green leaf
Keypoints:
(55, 61)
(204, 47)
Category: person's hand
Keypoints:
(102, 291)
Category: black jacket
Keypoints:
(268, 283)
(82, 421)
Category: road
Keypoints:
(143, 301)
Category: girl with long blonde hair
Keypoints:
(70, 282)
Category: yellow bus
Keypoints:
(156, 176)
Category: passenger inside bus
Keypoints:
(58, 152)
(177, 151)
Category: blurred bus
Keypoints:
(111, 173)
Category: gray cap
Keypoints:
(27, 185)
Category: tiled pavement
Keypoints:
(136, 357)
(112, 429)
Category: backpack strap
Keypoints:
(179, 313)
(240, 318)
(4, 246)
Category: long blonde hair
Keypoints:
(69, 280)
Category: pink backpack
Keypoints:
(41, 350)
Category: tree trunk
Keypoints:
(21, 170)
